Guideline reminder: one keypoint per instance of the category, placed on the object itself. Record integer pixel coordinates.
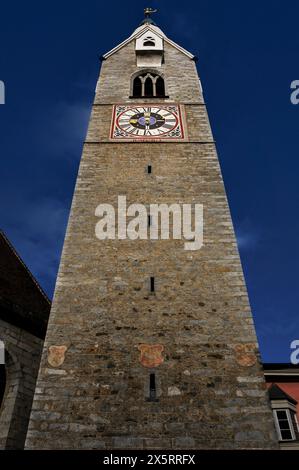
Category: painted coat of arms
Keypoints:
(56, 355)
(151, 354)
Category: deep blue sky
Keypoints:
(248, 55)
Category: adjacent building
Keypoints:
(24, 311)
(283, 386)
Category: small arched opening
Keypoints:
(149, 42)
(148, 87)
(160, 87)
(137, 87)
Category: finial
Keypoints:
(149, 11)
(147, 16)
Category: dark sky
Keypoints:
(248, 56)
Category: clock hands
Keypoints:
(147, 121)
(147, 117)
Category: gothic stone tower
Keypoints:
(150, 345)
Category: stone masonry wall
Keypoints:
(210, 387)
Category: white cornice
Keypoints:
(139, 32)
(282, 372)
(281, 404)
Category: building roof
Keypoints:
(148, 21)
(276, 393)
(143, 28)
(281, 372)
(23, 302)
(280, 366)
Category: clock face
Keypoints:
(143, 122)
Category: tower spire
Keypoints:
(147, 16)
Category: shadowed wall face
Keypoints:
(2, 382)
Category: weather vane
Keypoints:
(149, 11)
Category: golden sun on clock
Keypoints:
(145, 122)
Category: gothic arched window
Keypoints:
(148, 85)
(137, 87)
(160, 87)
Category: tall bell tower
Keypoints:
(149, 344)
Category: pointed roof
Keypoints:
(23, 302)
(146, 26)
(148, 21)
(276, 393)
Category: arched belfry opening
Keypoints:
(137, 87)
(148, 85)
(160, 87)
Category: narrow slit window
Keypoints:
(149, 169)
(152, 284)
(152, 388)
(149, 220)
